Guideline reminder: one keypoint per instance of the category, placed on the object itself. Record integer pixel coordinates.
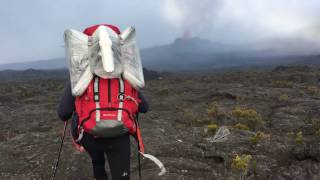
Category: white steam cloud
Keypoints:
(238, 20)
(191, 15)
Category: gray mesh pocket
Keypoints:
(109, 128)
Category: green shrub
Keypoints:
(283, 98)
(24, 93)
(212, 128)
(188, 114)
(301, 93)
(282, 84)
(299, 138)
(59, 87)
(241, 163)
(240, 99)
(257, 138)
(241, 127)
(245, 113)
(250, 117)
(313, 90)
(290, 134)
(214, 111)
(316, 125)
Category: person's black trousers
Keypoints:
(117, 150)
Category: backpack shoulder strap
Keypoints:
(96, 89)
(121, 98)
(96, 95)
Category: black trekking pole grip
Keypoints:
(55, 166)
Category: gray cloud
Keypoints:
(243, 20)
(32, 30)
(191, 15)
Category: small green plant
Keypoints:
(201, 122)
(52, 99)
(301, 92)
(290, 134)
(241, 127)
(283, 98)
(245, 113)
(241, 163)
(316, 125)
(212, 128)
(192, 119)
(282, 84)
(313, 90)
(24, 93)
(248, 116)
(299, 138)
(59, 87)
(188, 113)
(257, 137)
(214, 111)
(240, 99)
(163, 92)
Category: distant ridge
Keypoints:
(57, 63)
(14, 75)
(63, 73)
(196, 54)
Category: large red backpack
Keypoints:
(108, 107)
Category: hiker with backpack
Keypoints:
(103, 97)
(116, 148)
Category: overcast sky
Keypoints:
(33, 29)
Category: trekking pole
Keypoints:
(139, 165)
(139, 156)
(55, 166)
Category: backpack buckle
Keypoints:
(96, 97)
(121, 96)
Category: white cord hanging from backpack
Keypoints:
(156, 161)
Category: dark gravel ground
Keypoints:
(285, 101)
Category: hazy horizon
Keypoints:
(32, 30)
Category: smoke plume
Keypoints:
(245, 20)
(191, 16)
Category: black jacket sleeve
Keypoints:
(66, 106)
(143, 106)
